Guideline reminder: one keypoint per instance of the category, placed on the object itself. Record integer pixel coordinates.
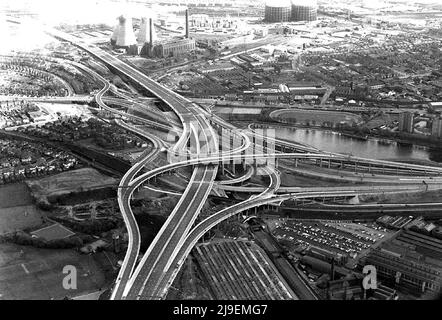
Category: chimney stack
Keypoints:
(187, 23)
(150, 33)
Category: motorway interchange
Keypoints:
(199, 147)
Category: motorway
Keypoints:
(170, 271)
(172, 233)
(153, 275)
(199, 187)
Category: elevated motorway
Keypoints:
(411, 187)
(249, 173)
(159, 290)
(124, 195)
(170, 271)
(170, 240)
(222, 215)
(201, 182)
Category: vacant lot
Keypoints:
(72, 181)
(30, 273)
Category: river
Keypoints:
(372, 148)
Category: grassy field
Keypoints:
(14, 195)
(19, 218)
(71, 181)
(30, 273)
(16, 209)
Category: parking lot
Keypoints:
(340, 237)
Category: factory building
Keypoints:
(278, 11)
(174, 48)
(409, 260)
(303, 10)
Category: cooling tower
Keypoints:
(115, 34)
(125, 35)
(144, 33)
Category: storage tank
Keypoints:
(277, 11)
(304, 10)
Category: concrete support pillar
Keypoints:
(254, 144)
(243, 160)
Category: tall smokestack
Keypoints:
(150, 33)
(187, 23)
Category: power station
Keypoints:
(124, 37)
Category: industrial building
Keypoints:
(278, 11)
(350, 288)
(171, 48)
(174, 48)
(406, 122)
(410, 260)
(303, 10)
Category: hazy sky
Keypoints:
(98, 11)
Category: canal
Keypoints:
(372, 148)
